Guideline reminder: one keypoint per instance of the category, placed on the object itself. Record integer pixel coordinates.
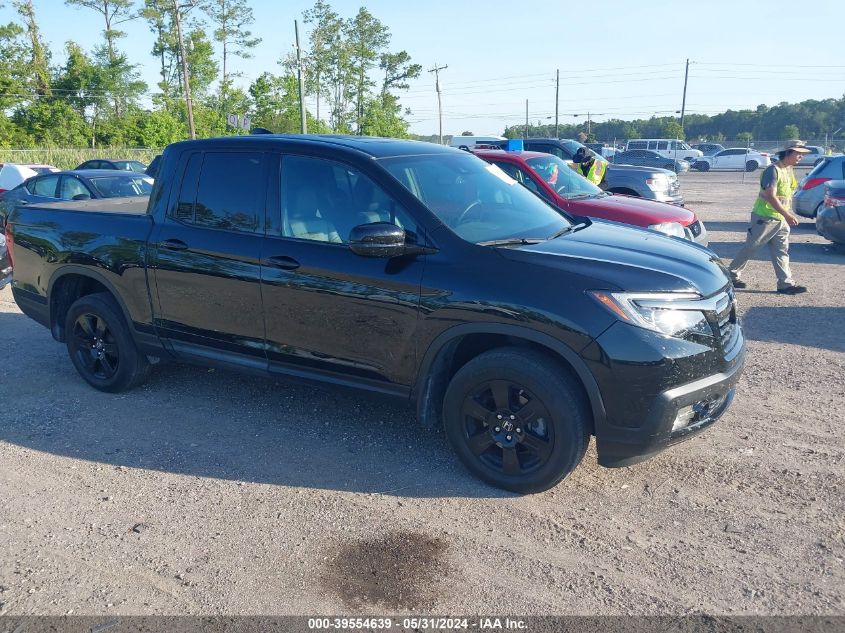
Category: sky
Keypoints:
(617, 59)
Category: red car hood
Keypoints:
(636, 211)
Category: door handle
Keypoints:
(282, 261)
(174, 245)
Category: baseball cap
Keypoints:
(796, 146)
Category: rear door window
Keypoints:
(45, 187)
(229, 191)
(662, 145)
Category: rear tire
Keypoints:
(100, 344)
(517, 419)
(702, 166)
(751, 165)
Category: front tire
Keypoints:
(517, 419)
(100, 345)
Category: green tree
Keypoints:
(672, 129)
(398, 69)
(39, 120)
(231, 19)
(39, 55)
(324, 38)
(382, 117)
(114, 12)
(14, 66)
(744, 138)
(789, 132)
(366, 37)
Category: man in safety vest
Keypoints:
(771, 218)
(587, 165)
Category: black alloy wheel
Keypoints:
(94, 346)
(507, 428)
(517, 418)
(100, 344)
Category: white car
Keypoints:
(733, 159)
(13, 175)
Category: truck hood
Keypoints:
(630, 259)
(632, 210)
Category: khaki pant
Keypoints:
(765, 231)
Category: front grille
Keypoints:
(725, 316)
(695, 228)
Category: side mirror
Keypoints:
(81, 196)
(378, 239)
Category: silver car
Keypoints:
(810, 195)
(830, 220)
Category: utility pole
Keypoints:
(684, 101)
(186, 83)
(557, 98)
(436, 70)
(303, 124)
(526, 119)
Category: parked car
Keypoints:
(644, 182)
(122, 165)
(11, 175)
(733, 159)
(551, 178)
(400, 267)
(830, 220)
(810, 195)
(708, 149)
(667, 147)
(649, 158)
(817, 154)
(468, 142)
(77, 185)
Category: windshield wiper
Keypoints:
(563, 231)
(516, 241)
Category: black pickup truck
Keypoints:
(399, 267)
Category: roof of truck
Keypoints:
(374, 146)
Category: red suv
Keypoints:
(552, 179)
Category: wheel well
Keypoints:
(63, 294)
(462, 349)
(624, 190)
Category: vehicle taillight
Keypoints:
(834, 201)
(813, 182)
(9, 243)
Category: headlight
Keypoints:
(666, 313)
(669, 228)
(658, 183)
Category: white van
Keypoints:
(668, 147)
(468, 142)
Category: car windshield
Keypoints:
(130, 165)
(476, 200)
(565, 181)
(121, 186)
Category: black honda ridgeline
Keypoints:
(399, 267)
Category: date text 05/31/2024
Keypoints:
(416, 623)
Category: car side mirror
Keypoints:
(81, 196)
(377, 239)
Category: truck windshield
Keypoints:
(121, 186)
(477, 201)
(565, 181)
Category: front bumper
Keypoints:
(647, 379)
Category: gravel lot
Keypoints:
(205, 492)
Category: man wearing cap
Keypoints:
(587, 165)
(771, 218)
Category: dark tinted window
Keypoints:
(637, 145)
(231, 186)
(662, 145)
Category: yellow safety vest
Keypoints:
(595, 173)
(785, 187)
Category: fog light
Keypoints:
(684, 417)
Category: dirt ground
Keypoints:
(205, 492)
